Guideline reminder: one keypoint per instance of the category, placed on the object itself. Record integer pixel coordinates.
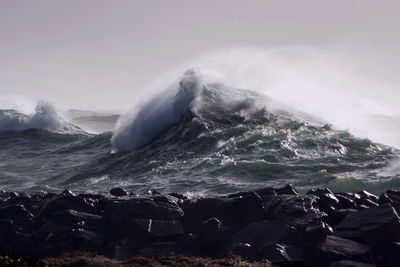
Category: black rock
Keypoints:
(345, 201)
(384, 198)
(335, 248)
(188, 245)
(264, 233)
(337, 216)
(319, 191)
(234, 213)
(212, 234)
(279, 254)
(327, 202)
(318, 231)
(367, 203)
(287, 190)
(298, 211)
(68, 192)
(118, 192)
(368, 195)
(163, 208)
(244, 250)
(18, 214)
(65, 202)
(375, 226)
(394, 195)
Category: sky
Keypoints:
(98, 54)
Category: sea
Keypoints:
(197, 138)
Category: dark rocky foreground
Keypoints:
(278, 224)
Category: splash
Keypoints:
(337, 86)
(44, 116)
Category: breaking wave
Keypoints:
(45, 116)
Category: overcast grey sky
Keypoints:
(97, 53)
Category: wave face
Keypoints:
(45, 116)
(201, 137)
(161, 112)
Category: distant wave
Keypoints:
(45, 116)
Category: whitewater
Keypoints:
(203, 131)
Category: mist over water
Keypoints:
(328, 84)
(226, 121)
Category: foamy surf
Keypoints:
(45, 116)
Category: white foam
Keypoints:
(44, 116)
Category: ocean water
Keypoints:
(197, 137)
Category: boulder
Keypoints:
(244, 250)
(318, 231)
(375, 226)
(234, 213)
(346, 201)
(188, 245)
(212, 234)
(298, 211)
(335, 248)
(286, 190)
(284, 254)
(327, 202)
(118, 192)
(117, 211)
(65, 202)
(18, 214)
(265, 233)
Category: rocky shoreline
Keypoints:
(280, 225)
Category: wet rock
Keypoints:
(384, 199)
(287, 190)
(266, 192)
(298, 211)
(327, 202)
(319, 191)
(179, 196)
(264, 233)
(366, 202)
(391, 255)
(188, 245)
(284, 254)
(68, 192)
(318, 231)
(118, 192)
(212, 234)
(244, 250)
(269, 223)
(368, 195)
(234, 213)
(338, 215)
(85, 240)
(18, 214)
(376, 225)
(345, 202)
(65, 202)
(335, 248)
(394, 195)
(117, 211)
